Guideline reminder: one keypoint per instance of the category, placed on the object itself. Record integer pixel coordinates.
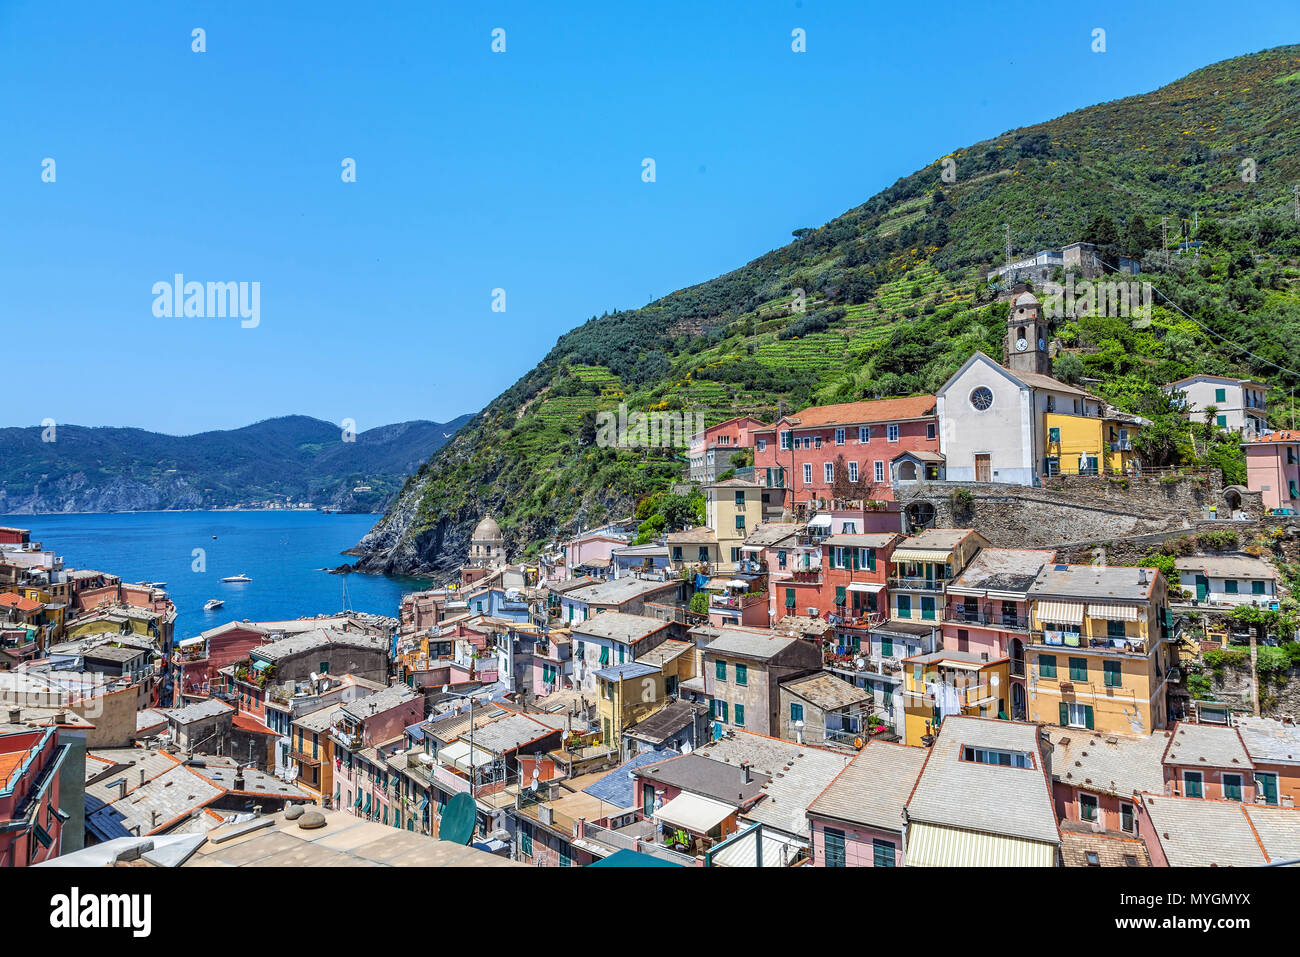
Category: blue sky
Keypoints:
(475, 171)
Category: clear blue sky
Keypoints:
(475, 170)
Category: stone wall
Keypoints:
(1089, 509)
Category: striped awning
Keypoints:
(1113, 612)
(919, 555)
(1060, 612)
(929, 845)
(865, 586)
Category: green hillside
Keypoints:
(896, 301)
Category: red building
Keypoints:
(712, 449)
(843, 451)
(14, 536)
(31, 823)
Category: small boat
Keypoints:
(241, 577)
(212, 604)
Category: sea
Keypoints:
(285, 553)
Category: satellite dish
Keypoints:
(860, 664)
(457, 824)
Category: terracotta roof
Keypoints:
(1283, 435)
(852, 413)
(10, 600)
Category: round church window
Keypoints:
(982, 398)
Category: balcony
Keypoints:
(737, 602)
(917, 584)
(806, 576)
(860, 619)
(748, 566)
(1071, 639)
(1125, 445)
(988, 619)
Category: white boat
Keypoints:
(212, 604)
(241, 577)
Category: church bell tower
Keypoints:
(1028, 334)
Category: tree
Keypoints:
(1101, 232)
(1068, 368)
(1210, 412)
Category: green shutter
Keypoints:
(871, 559)
(789, 598)
(839, 594)
(1065, 715)
(855, 558)
(1087, 716)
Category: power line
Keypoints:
(1217, 335)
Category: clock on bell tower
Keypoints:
(1027, 337)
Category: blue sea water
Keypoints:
(282, 551)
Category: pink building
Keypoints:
(365, 731)
(987, 611)
(1273, 468)
(712, 449)
(1208, 761)
(197, 661)
(1096, 777)
(858, 820)
(591, 553)
(31, 824)
(849, 447)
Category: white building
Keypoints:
(1240, 404)
(1228, 579)
(991, 420)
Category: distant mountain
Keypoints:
(294, 458)
(891, 298)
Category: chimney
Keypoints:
(142, 772)
(15, 715)
(60, 717)
(153, 820)
(744, 772)
(1142, 576)
(239, 778)
(121, 788)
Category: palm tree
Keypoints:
(1211, 411)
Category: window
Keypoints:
(740, 715)
(830, 472)
(839, 436)
(740, 500)
(882, 853)
(1087, 807)
(1257, 588)
(1054, 434)
(721, 711)
(740, 521)
(807, 474)
(604, 654)
(1127, 819)
(864, 433)
(891, 432)
(1113, 679)
(760, 445)
(1078, 669)
(1232, 787)
(834, 843)
(853, 473)
(929, 430)
(1114, 629)
(785, 440)
(927, 608)
(1193, 784)
(982, 398)
(742, 674)
(880, 471)
(1093, 858)
(904, 606)
(1220, 395)
(720, 670)
(887, 647)
(816, 441)
(1076, 715)
(796, 712)
(1230, 586)
(1221, 421)
(1005, 759)
(1266, 786)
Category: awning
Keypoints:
(190, 642)
(866, 586)
(457, 755)
(1113, 612)
(919, 555)
(1060, 612)
(261, 665)
(694, 813)
(821, 521)
(753, 549)
(930, 845)
(737, 583)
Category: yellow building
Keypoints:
(627, 693)
(115, 620)
(1098, 444)
(733, 509)
(1102, 653)
(941, 683)
(921, 567)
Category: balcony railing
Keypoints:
(991, 619)
(1070, 639)
(917, 584)
(737, 602)
(806, 575)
